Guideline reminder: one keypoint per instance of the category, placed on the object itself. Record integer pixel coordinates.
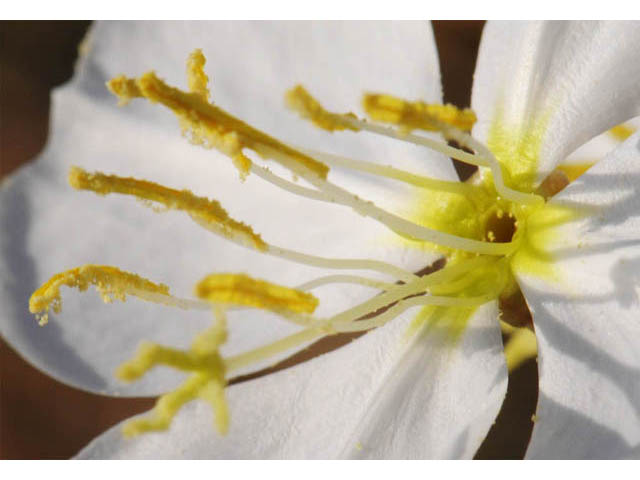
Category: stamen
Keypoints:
(400, 307)
(356, 124)
(231, 135)
(240, 289)
(455, 286)
(453, 123)
(351, 320)
(419, 286)
(453, 292)
(201, 209)
(213, 127)
(395, 174)
(484, 158)
(341, 263)
(416, 115)
(212, 216)
(330, 279)
(112, 283)
(411, 230)
(267, 351)
(299, 100)
(492, 162)
(207, 381)
(334, 194)
(288, 186)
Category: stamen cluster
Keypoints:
(476, 271)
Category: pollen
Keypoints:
(196, 78)
(240, 289)
(209, 125)
(111, 282)
(417, 115)
(300, 100)
(201, 209)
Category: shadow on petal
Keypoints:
(562, 338)
(25, 334)
(557, 441)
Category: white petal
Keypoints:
(381, 396)
(570, 80)
(588, 323)
(48, 228)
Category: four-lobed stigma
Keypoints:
(482, 228)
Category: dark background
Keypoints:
(43, 419)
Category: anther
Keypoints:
(240, 289)
(111, 282)
(416, 115)
(202, 210)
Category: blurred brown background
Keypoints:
(41, 418)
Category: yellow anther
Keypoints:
(300, 100)
(124, 88)
(111, 282)
(207, 381)
(196, 78)
(240, 289)
(202, 210)
(622, 132)
(417, 115)
(212, 127)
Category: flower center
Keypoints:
(500, 227)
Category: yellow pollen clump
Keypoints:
(211, 126)
(300, 100)
(201, 209)
(111, 282)
(196, 78)
(126, 89)
(240, 289)
(417, 115)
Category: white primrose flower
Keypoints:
(330, 233)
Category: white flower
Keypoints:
(541, 90)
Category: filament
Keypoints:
(395, 174)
